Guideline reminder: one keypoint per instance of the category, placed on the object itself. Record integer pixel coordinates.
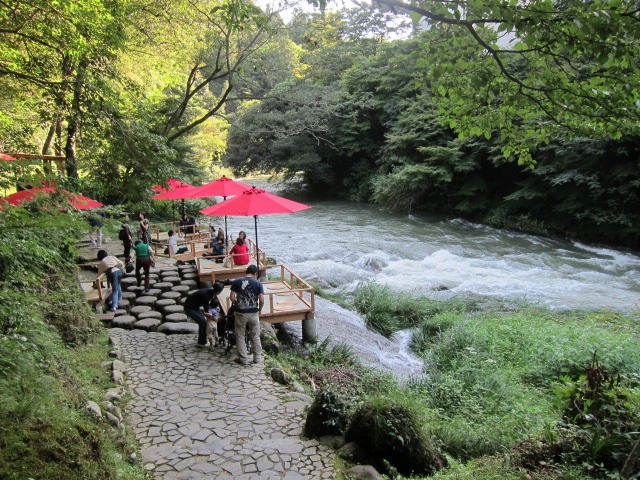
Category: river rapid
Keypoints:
(340, 244)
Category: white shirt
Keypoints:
(173, 244)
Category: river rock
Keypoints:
(280, 376)
(150, 314)
(171, 328)
(182, 289)
(173, 295)
(123, 321)
(113, 420)
(176, 317)
(172, 280)
(163, 286)
(147, 300)
(128, 282)
(169, 309)
(364, 472)
(138, 309)
(94, 409)
(147, 324)
(128, 295)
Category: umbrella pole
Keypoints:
(226, 234)
(255, 219)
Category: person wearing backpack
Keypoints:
(127, 241)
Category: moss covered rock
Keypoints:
(328, 415)
(391, 433)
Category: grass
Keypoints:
(501, 376)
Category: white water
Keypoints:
(340, 244)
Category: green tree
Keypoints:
(532, 72)
(57, 50)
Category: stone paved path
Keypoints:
(199, 415)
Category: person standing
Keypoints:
(113, 268)
(144, 260)
(194, 307)
(247, 293)
(127, 240)
(143, 229)
(95, 234)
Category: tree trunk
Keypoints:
(46, 165)
(74, 120)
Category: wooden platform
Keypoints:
(97, 291)
(287, 297)
(211, 271)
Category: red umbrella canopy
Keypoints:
(4, 156)
(254, 201)
(171, 184)
(76, 200)
(222, 187)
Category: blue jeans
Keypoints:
(116, 290)
(198, 317)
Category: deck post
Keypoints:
(309, 332)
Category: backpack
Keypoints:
(123, 234)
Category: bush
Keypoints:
(328, 415)
(391, 432)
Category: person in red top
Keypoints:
(240, 253)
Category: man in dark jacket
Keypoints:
(194, 307)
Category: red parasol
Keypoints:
(172, 184)
(4, 156)
(222, 187)
(254, 201)
(76, 200)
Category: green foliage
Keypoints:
(388, 311)
(327, 415)
(392, 432)
(47, 349)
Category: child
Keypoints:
(213, 316)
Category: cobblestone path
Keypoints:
(198, 415)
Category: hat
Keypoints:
(252, 269)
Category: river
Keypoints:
(340, 244)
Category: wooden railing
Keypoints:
(296, 284)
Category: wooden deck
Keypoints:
(211, 271)
(287, 297)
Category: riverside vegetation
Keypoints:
(509, 391)
(52, 352)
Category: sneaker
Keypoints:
(239, 361)
(203, 345)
